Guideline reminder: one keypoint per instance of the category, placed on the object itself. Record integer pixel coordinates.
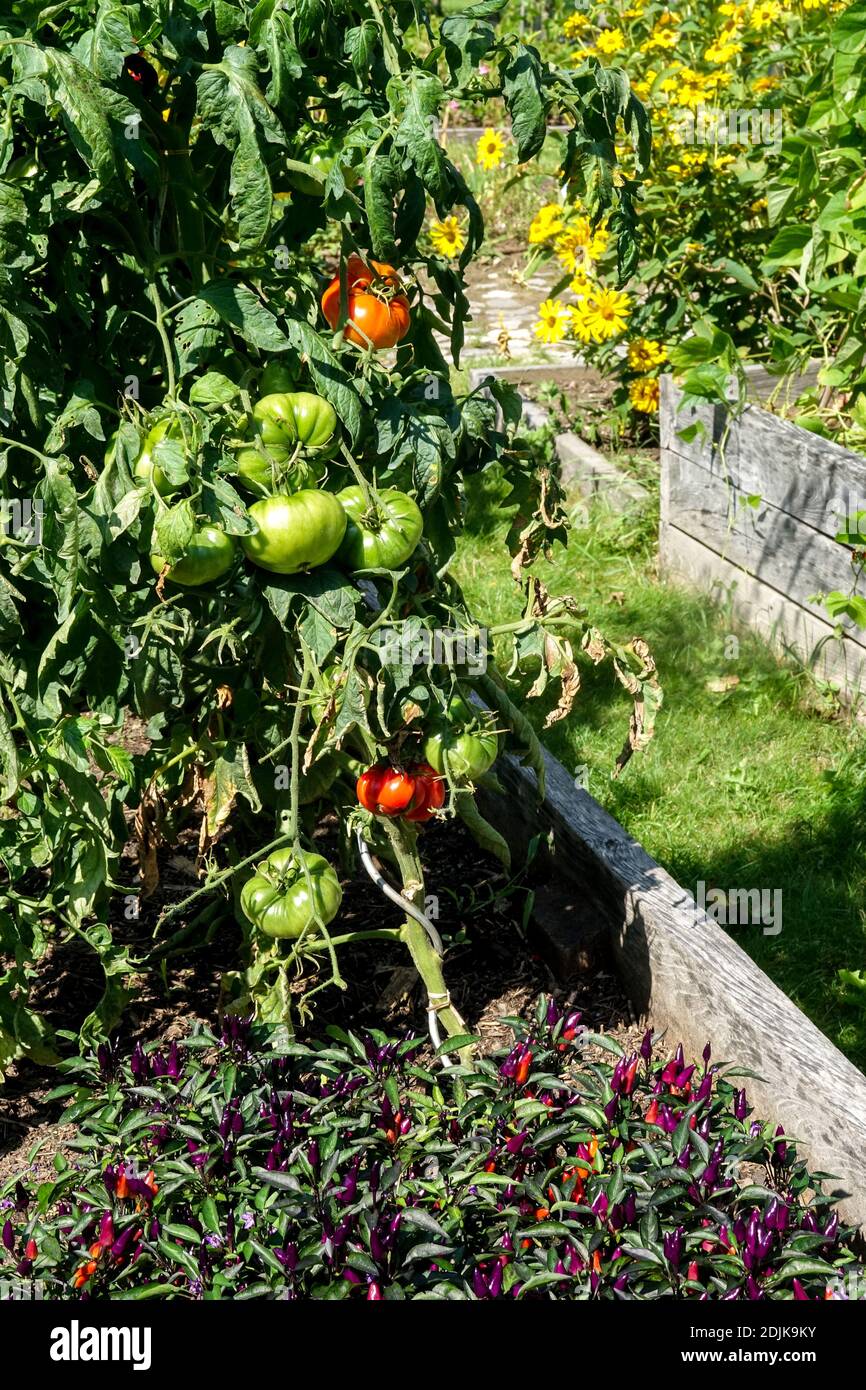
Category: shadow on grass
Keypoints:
(752, 780)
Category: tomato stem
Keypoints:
(426, 961)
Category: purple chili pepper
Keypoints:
(673, 1246)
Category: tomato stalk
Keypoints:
(294, 811)
(424, 957)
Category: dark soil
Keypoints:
(491, 970)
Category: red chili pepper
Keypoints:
(522, 1071)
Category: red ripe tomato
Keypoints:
(384, 790)
(414, 792)
(396, 791)
(378, 312)
(430, 795)
(367, 787)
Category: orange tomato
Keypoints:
(378, 313)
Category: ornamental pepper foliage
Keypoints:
(352, 1170)
(178, 184)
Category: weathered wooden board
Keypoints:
(770, 558)
(774, 546)
(785, 626)
(690, 977)
(801, 474)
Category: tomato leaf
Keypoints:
(524, 97)
(329, 377)
(242, 310)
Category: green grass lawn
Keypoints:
(760, 786)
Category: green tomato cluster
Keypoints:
(299, 525)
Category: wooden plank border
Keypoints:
(688, 975)
(767, 560)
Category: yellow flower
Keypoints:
(447, 237)
(574, 24)
(664, 33)
(580, 319)
(490, 150)
(735, 13)
(610, 41)
(579, 243)
(547, 222)
(644, 394)
(646, 353)
(689, 162)
(765, 84)
(692, 88)
(608, 313)
(722, 50)
(582, 286)
(552, 320)
(721, 162)
(570, 249)
(765, 13)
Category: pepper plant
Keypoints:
(212, 1169)
(232, 459)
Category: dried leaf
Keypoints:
(570, 686)
(148, 836)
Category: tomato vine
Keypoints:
(185, 425)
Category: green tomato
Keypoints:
(295, 532)
(382, 536)
(321, 157)
(25, 167)
(288, 893)
(276, 378)
(146, 470)
(297, 431)
(209, 557)
(467, 738)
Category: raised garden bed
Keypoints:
(750, 508)
(680, 969)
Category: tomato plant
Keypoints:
(161, 283)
